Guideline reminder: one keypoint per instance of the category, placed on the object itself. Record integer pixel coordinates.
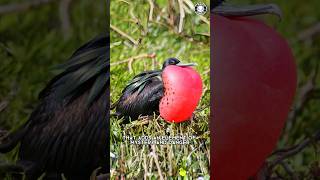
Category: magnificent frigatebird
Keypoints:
(67, 133)
(143, 93)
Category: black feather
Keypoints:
(141, 96)
(68, 131)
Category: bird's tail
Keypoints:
(11, 140)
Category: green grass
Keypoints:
(158, 37)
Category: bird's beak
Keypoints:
(186, 65)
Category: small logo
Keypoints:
(200, 8)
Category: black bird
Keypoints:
(143, 93)
(68, 131)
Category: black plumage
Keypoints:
(143, 93)
(141, 96)
(68, 131)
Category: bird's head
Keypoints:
(219, 7)
(170, 61)
(175, 61)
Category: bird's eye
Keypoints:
(172, 62)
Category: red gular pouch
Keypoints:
(254, 83)
(182, 93)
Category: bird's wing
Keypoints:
(88, 64)
(139, 81)
(141, 97)
(68, 129)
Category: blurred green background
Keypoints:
(32, 42)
